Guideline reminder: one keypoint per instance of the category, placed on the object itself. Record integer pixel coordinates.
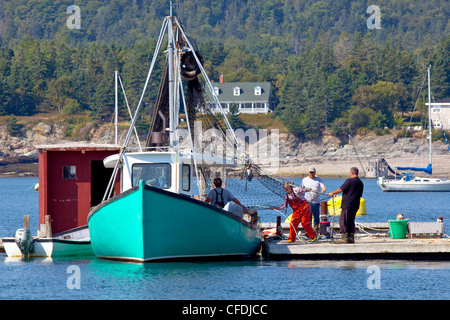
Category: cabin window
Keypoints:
(186, 177)
(154, 174)
(69, 172)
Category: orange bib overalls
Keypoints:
(302, 214)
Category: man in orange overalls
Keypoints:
(301, 211)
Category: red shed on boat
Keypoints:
(72, 179)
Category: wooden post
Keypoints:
(323, 210)
(26, 222)
(48, 226)
(279, 226)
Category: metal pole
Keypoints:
(429, 111)
(116, 108)
(109, 188)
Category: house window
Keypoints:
(257, 91)
(236, 91)
(69, 172)
(216, 91)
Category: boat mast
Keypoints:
(429, 111)
(116, 110)
(171, 79)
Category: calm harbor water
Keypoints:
(254, 279)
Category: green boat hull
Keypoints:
(146, 223)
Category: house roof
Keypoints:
(246, 94)
(445, 102)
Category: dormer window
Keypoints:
(216, 91)
(258, 91)
(236, 91)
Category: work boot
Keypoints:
(344, 239)
(351, 238)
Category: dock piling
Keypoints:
(26, 221)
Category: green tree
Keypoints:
(234, 119)
(440, 71)
(13, 127)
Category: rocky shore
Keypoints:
(331, 156)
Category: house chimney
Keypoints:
(221, 78)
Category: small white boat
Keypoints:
(408, 182)
(74, 242)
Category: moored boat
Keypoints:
(147, 223)
(71, 243)
(408, 182)
(154, 215)
(415, 184)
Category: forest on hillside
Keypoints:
(327, 68)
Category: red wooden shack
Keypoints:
(72, 179)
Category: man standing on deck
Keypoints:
(315, 186)
(352, 190)
(219, 197)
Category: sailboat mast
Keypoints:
(429, 111)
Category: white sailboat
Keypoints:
(408, 182)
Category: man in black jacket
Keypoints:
(352, 190)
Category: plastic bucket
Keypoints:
(398, 229)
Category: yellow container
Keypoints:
(335, 209)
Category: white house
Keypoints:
(250, 97)
(440, 114)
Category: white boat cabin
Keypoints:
(172, 171)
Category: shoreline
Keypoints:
(330, 169)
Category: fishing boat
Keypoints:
(408, 182)
(155, 214)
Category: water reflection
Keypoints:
(364, 264)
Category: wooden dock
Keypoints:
(363, 248)
(372, 241)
